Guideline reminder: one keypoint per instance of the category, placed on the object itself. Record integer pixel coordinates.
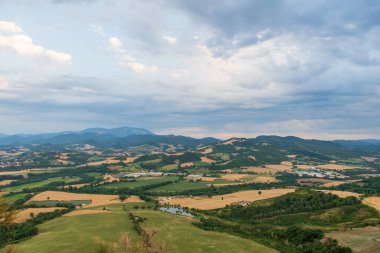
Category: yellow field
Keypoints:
(84, 211)
(207, 160)
(342, 194)
(186, 164)
(6, 182)
(17, 172)
(304, 166)
(233, 177)
(323, 182)
(262, 179)
(107, 161)
(287, 163)
(97, 199)
(333, 166)
(205, 203)
(130, 159)
(373, 201)
(291, 156)
(24, 215)
(207, 151)
(260, 170)
(369, 158)
(279, 167)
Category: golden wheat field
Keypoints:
(373, 202)
(205, 203)
(25, 214)
(97, 199)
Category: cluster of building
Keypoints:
(315, 172)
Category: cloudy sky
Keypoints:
(194, 67)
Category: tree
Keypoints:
(260, 193)
(7, 213)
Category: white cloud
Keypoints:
(24, 46)
(6, 26)
(127, 60)
(3, 83)
(170, 40)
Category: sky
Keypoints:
(221, 68)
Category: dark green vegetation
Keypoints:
(294, 222)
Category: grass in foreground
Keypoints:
(83, 233)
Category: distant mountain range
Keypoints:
(73, 136)
(122, 137)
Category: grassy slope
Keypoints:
(82, 233)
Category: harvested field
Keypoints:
(207, 151)
(333, 166)
(287, 163)
(322, 182)
(96, 199)
(174, 154)
(262, 179)
(84, 211)
(115, 167)
(291, 156)
(17, 172)
(260, 170)
(360, 240)
(6, 182)
(208, 179)
(279, 167)
(25, 214)
(130, 159)
(342, 194)
(207, 160)
(369, 158)
(110, 178)
(373, 202)
(186, 164)
(107, 161)
(304, 166)
(220, 201)
(233, 177)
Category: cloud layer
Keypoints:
(217, 68)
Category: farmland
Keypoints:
(240, 194)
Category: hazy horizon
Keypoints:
(197, 68)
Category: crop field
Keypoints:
(333, 166)
(19, 188)
(205, 203)
(261, 170)
(373, 202)
(96, 199)
(342, 194)
(141, 181)
(207, 160)
(279, 167)
(6, 182)
(26, 214)
(360, 240)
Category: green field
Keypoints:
(186, 185)
(141, 181)
(84, 232)
(18, 188)
(16, 197)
